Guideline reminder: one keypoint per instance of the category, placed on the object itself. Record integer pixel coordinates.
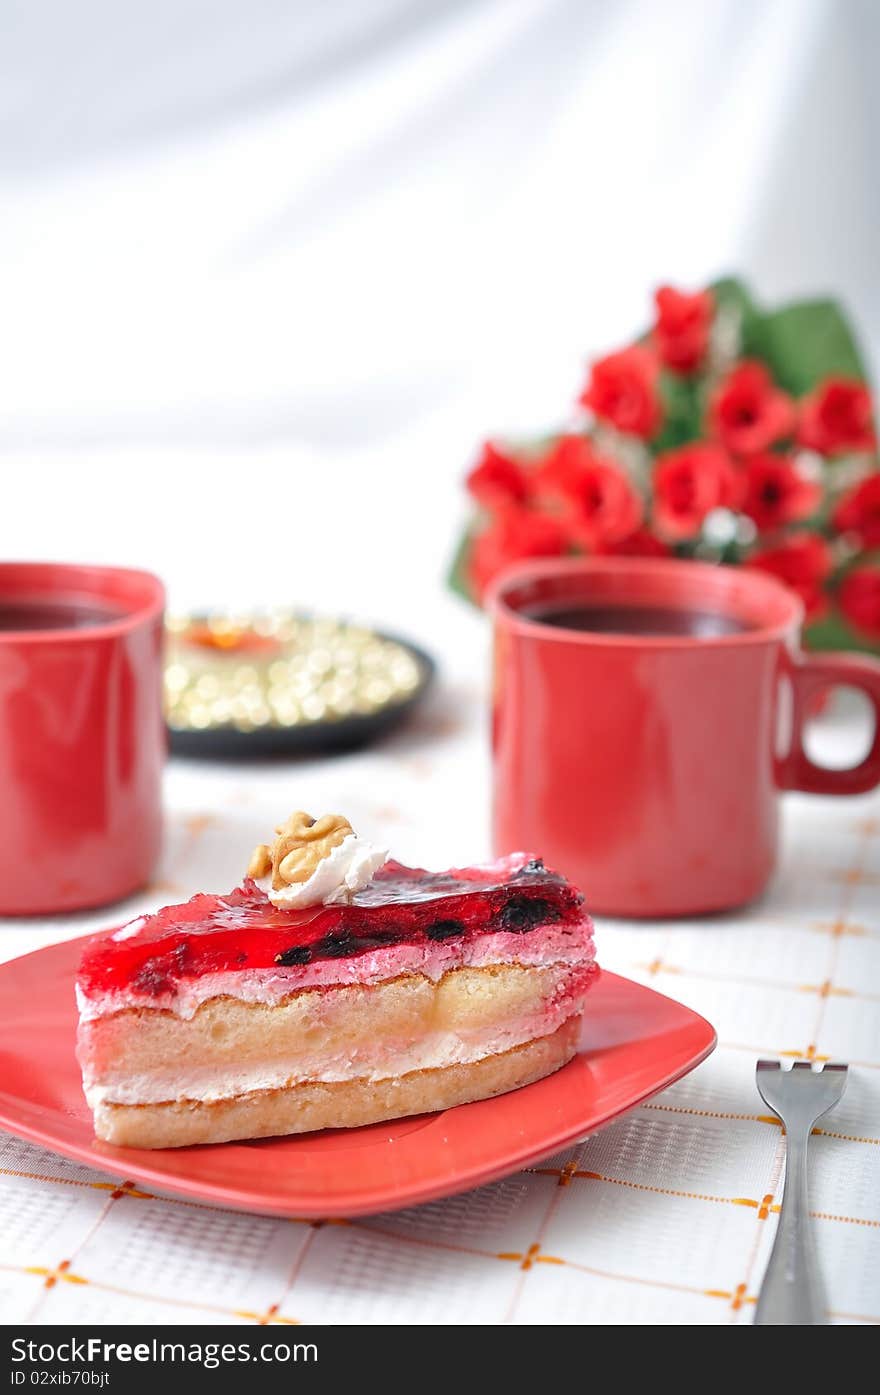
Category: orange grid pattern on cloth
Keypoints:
(667, 1216)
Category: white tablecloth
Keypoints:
(665, 1217)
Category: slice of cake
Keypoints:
(332, 988)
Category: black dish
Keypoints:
(224, 739)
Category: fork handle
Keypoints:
(792, 1294)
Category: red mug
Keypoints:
(82, 740)
(646, 767)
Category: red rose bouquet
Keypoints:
(725, 433)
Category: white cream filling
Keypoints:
(347, 868)
(369, 1063)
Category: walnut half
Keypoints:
(301, 843)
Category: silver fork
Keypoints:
(792, 1291)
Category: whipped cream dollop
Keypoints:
(347, 868)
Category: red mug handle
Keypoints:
(810, 675)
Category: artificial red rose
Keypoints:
(748, 412)
(561, 466)
(859, 512)
(838, 416)
(859, 598)
(497, 479)
(622, 389)
(601, 506)
(803, 562)
(681, 329)
(592, 493)
(775, 493)
(514, 536)
(641, 543)
(688, 484)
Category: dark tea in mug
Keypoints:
(54, 613)
(638, 620)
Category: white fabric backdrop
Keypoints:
(268, 270)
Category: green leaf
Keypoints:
(457, 579)
(730, 294)
(682, 412)
(833, 632)
(803, 343)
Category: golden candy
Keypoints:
(279, 670)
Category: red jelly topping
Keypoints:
(213, 934)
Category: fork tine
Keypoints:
(768, 1065)
(802, 1065)
(835, 1065)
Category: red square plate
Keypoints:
(634, 1043)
